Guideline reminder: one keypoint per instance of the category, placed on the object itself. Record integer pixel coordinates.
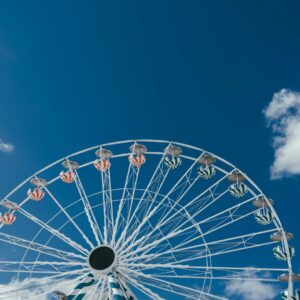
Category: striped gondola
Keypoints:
(37, 194)
(172, 162)
(137, 160)
(7, 219)
(282, 254)
(67, 177)
(285, 296)
(264, 216)
(238, 189)
(206, 172)
(117, 291)
(102, 164)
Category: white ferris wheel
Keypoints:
(140, 219)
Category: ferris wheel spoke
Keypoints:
(95, 288)
(210, 190)
(164, 248)
(150, 245)
(38, 266)
(196, 268)
(167, 287)
(53, 231)
(168, 246)
(137, 284)
(103, 289)
(69, 218)
(191, 217)
(108, 209)
(200, 254)
(262, 279)
(125, 249)
(230, 273)
(128, 200)
(149, 214)
(155, 235)
(241, 238)
(179, 248)
(230, 211)
(129, 210)
(224, 251)
(137, 258)
(88, 209)
(128, 292)
(186, 250)
(152, 190)
(172, 287)
(233, 219)
(245, 246)
(53, 252)
(130, 170)
(185, 183)
(41, 263)
(83, 287)
(216, 228)
(167, 219)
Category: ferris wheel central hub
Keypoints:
(101, 258)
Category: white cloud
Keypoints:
(6, 147)
(40, 289)
(35, 289)
(250, 290)
(283, 115)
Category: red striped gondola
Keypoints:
(36, 195)
(8, 218)
(137, 160)
(67, 177)
(102, 165)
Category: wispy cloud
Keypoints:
(34, 289)
(6, 147)
(283, 116)
(250, 290)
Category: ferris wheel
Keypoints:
(140, 219)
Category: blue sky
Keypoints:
(74, 74)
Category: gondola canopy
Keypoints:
(7, 219)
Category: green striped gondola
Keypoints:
(264, 216)
(206, 172)
(238, 189)
(284, 296)
(281, 254)
(172, 162)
